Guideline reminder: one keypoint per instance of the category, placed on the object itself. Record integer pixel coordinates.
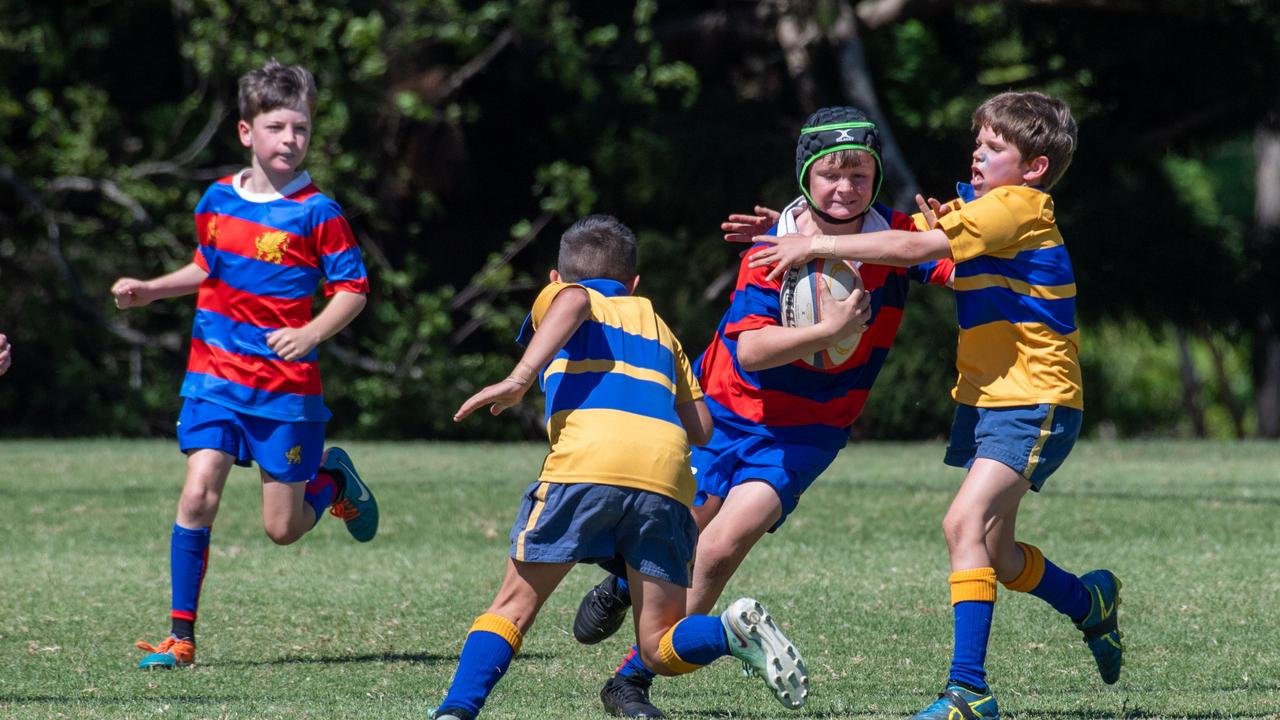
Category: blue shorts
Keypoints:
(584, 522)
(734, 457)
(287, 451)
(1034, 440)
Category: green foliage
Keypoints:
(461, 138)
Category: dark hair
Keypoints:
(1036, 124)
(597, 246)
(274, 86)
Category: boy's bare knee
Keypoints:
(281, 535)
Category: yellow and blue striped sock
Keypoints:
(486, 655)
(693, 642)
(1041, 578)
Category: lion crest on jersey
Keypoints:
(212, 232)
(272, 246)
(294, 455)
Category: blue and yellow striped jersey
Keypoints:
(612, 393)
(1015, 302)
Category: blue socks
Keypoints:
(188, 558)
(486, 655)
(320, 493)
(1041, 578)
(691, 643)
(972, 631)
(1063, 591)
(633, 666)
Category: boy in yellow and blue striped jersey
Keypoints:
(1019, 394)
(622, 407)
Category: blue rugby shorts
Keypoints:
(734, 457)
(287, 451)
(585, 522)
(1033, 440)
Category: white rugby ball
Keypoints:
(801, 301)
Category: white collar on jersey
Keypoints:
(237, 182)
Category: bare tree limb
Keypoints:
(859, 89)
(476, 286)
(111, 191)
(173, 165)
(476, 64)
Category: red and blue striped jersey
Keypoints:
(798, 402)
(265, 256)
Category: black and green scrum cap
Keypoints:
(833, 129)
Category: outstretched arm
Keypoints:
(132, 292)
(294, 343)
(901, 248)
(570, 308)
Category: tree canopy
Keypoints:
(461, 138)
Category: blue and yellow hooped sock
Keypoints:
(693, 642)
(188, 559)
(973, 600)
(320, 493)
(1041, 578)
(491, 643)
(633, 666)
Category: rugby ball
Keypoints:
(801, 303)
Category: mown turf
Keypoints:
(328, 628)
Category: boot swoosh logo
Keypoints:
(1102, 604)
(351, 473)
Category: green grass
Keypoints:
(327, 628)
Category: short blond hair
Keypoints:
(1036, 124)
(274, 86)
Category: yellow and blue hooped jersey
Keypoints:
(1015, 302)
(612, 393)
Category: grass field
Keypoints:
(327, 628)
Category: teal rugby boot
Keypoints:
(355, 504)
(1101, 626)
(961, 703)
(760, 645)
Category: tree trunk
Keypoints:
(1267, 229)
(858, 88)
(1190, 386)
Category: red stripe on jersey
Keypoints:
(298, 378)
(750, 322)
(755, 276)
(249, 239)
(360, 287)
(246, 307)
(784, 408)
(333, 236)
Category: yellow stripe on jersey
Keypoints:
(1044, 292)
(636, 451)
(1022, 364)
(564, 365)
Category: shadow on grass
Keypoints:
(413, 658)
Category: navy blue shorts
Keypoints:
(287, 451)
(585, 522)
(734, 457)
(1034, 440)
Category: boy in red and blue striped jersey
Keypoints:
(268, 238)
(1019, 394)
(779, 421)
(622, 408)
